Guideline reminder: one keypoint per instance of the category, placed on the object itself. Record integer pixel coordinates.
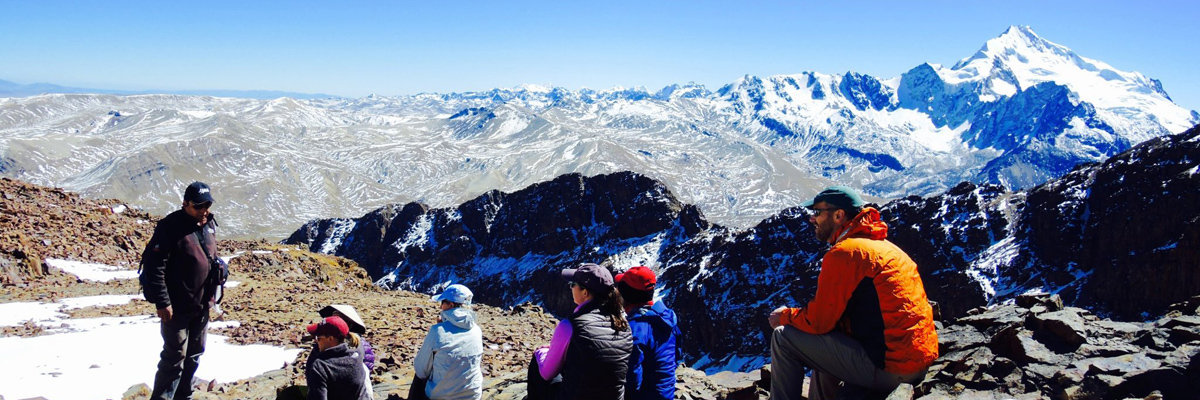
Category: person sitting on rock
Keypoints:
(336, 371)
(654, 327)
(357, 328)
(448, 364)
(357, 339)
(869, 327)
(588, 355)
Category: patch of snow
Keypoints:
(984, 270)
(102, 357)
(119, 208)
(508, 266)
(92, 271)
(742, 363)
(702, 273)
(627, 254)
(226, 258)
(197, 113)
(98, 301)
(732, 362)
(420, 233)
(340, 230)
(224, 324)
(1167, 246)
(13, 314)
(511, 126)
(1034, 291)
(49, 314)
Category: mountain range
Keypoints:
(13, 89)
(1019, 111)
(1120, 238)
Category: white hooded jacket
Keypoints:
(450, 357)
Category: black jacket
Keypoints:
(337, 373)
(175, 268)
(597, 358)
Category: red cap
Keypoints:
(639, 277)
(331, 326)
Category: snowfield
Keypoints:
(90, 358)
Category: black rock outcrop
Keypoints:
(1119, 238)
(1037, 348)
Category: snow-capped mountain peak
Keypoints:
(677, 91)
(532, 88)
(1019, 59)
(1019, 111)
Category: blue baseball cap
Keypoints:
(198, 193)
(839, 196)
(455, 294)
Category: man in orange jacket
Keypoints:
(869, 325)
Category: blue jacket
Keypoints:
(652, 364)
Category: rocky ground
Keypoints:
(280, 289)
(1037, 348)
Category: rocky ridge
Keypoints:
(974, 244)
(1036, 348)
(41, 222)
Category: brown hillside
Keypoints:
(280, 289)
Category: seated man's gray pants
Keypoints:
(834, 357)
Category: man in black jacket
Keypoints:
(175, 277)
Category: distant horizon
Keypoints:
(397, 49)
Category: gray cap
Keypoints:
(593, 277)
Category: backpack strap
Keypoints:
(203, 245)
(217, 277)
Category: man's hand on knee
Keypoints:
(773, 319)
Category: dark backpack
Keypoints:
(218, 273)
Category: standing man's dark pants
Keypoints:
(183, 343)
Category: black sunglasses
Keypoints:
(202, 206)
(814, 212)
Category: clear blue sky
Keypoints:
(396, 48)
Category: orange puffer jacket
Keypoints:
(861, 257)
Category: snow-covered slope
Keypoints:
(1019, 59)
(1075, 236)
(1018, 112)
